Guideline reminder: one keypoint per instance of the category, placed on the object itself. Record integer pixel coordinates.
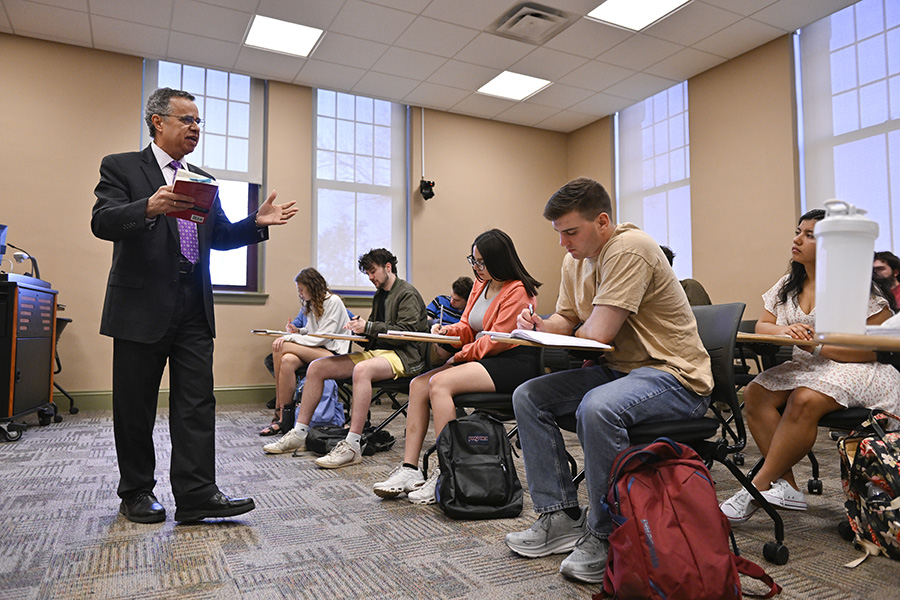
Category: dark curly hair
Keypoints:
(377, 257)
(318, 290)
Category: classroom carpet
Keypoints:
(322, 533)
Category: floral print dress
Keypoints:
(867, 385)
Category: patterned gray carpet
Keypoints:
(318, 533)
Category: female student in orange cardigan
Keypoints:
(503, 288)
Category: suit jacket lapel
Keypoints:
(156, 180)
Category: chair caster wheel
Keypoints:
(57, 418)
(738, 459)
(814, 486)
(776, 553)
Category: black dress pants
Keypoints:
(137, 371)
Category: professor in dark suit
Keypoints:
(159, 308)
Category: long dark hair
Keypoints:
(500, 258)
(318, 289)
(797, 275)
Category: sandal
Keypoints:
(272, 429)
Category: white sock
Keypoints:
(301, 428)
(353, 439)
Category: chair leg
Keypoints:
(73, 410)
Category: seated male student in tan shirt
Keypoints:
(617, 288)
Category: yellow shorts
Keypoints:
(391, 356)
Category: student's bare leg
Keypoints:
(364, 373)
(332, 367)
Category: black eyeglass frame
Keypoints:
(186, 119)
(478, 264)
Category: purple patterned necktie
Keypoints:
(187, 232)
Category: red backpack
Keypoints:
(670, 540)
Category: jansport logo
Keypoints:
(478, 439)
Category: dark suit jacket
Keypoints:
(143, 281)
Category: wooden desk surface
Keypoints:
(340, 336)
(882, 343)
(414, 336)
(775, 340)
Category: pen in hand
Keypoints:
(531, 312)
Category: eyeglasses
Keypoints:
(186, 119)
(478, 264)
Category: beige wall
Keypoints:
(744, 191)
(73, 105)
(485, 178)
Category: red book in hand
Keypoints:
(202, 189)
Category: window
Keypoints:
(850, 76)
(359, 185)
(230, 148)
(654, 172)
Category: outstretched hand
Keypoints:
(274, 214)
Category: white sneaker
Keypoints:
(292, 440)
(401, 480)
(783, 495)
(739, 507)
(344, 454)
(587, 562)
(424, 494)
(552, 533)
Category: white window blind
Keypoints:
(850, 74)
(654, 172)
(359, 185)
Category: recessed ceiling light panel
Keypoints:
(513, 86)
(635, 15)
(282, 36)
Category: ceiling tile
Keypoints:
(480, 105)
(475, 14)
(413, 6)
(685, 64)
(215, 22)
(316, 73)
(79, 5)
(596, 76)
(741, 37)
(271, 65)
(312, 13)
(588, 38)
(639, 52)
(640, 86)
(137, 39)
(463, 75)
(742, 7)
(600, 105)
(406, 63)
(242, 5)
(49, 22)
(344, 50)
(525, 113)
(548, 64)
(432, 95)
(560, 96)
(380, 85)
(157, 14)
(436, 37)
(371, 22)
(693, 23)
(566, 121)
(195, 50)
(789, 15)
(493, 51)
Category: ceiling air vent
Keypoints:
(531, 22)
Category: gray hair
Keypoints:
(158, 104)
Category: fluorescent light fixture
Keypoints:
(513, 86)
(635, 15)
(281, 36)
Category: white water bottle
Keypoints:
(845, 247)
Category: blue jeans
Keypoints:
(605, 403)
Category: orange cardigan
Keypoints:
(500, 316)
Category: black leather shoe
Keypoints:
(217, 507)
(143, 508)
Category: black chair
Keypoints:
(61, 323)
(717, 325)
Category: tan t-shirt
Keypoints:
(631, 272)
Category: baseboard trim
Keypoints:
(102, 399)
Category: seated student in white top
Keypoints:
(325, 313)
